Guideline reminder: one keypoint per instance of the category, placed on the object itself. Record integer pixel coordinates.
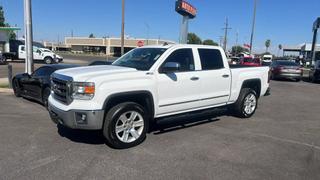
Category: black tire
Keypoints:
(239, 106)
(112, 118)
(3, 60)
(45, 95)
(48, 60)
(16, 88)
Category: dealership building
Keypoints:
(108, 46)
(301, 49)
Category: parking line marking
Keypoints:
(287, 140)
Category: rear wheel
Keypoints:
(48, 60)
(16, 88)
(125, 125)
(246, 104)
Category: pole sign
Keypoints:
(316, 24)
(186, 9)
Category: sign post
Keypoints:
(316, 26)
(188, 12)
(28, 35)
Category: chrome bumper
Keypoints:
(77, 119)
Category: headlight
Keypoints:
(83, 90)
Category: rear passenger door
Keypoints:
(215, 77)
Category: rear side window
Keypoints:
(210, 59)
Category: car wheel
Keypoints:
(16, 88)
(48, 60)
(125, 125)
(246, 104)
(3, 60)
(45, 96)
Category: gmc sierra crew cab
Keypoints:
(151, 82)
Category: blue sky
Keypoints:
(282, 21)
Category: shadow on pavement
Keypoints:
(81, 136)
(162, 126)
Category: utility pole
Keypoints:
(28, 36)
(226, 28)
(253, 24)
(237, 37)
(122, 28)
(72, 33)
(148, 30)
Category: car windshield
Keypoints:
(248, 60)
(287, 63)
(267, 58)
(140, 58)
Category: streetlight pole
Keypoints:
(122, 28)
(28, 36)
(253, 24)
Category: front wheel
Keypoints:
(16, 88)
(246, 104)
(125, 125)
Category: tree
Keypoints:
(91, 36)
(12, 34)
(210, 42)
(2, 19)
(238, 49)
(194, 39)
(267, 44)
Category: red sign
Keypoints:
(246, 45)
(186, 9)
(140, 43)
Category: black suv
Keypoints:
(314, 74)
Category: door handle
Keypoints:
(225, 75)
(194, 78)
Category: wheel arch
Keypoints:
(254, 84)
(144, 98)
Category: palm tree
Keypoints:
(280, 47)
(267, 44)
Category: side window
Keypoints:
(210, 59)
(22, 48)
(184, 57)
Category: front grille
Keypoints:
(61, 87)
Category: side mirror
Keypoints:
(26, 75)
(170, 67)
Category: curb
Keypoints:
(6, 90)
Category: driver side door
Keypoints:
(178, 91)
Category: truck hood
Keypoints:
(89, 72)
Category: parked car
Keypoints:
(97, 63)
(314, 73)
(39, 53)
(249, 61)
(267, 58)
(37, 85)
(149, 83)
(284, 69)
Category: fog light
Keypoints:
(81, 118)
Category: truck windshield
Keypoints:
(140, 58)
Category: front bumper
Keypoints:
(73, 118)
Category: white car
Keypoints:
(152, 82)
(42, 54)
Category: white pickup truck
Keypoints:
(150, 82)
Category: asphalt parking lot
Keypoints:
(281, 141)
